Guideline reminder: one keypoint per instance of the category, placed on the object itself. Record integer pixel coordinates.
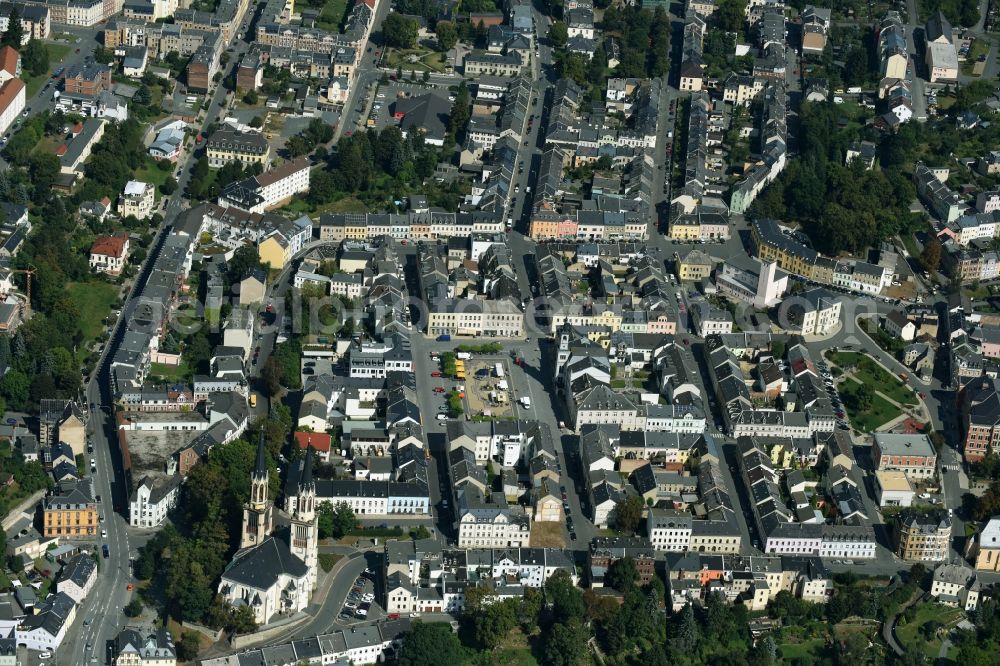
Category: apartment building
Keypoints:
(490, 523)
(137, 200)
(669, 530)
(492, 64)
(813, 312)
(272, 189)
(945, 203)
(230, 145)
(500, 318)
(923, 538)
(70, 510)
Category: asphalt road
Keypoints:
(103, 607)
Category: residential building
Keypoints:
(923, 538)
(980, 413)
(134, 648)
(270, 190)
(78, 577)
(943, 202)
(941, 56)
(108, 254)
(694, 266)
(815, 29)
(70, 510)
(813, 312)
(899, 325)
(669, 530)
(137, 200)
(956, 585)
(230, 145)
(152, 499)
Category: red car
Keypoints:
(439, 389)
(436, 373)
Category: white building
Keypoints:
(669, 530)
(813, 312)
(761, 289)
(152, 500)
(134, 649)
(956, 585)
(108, 254)
(892, 488)
(137, 200)
(77, 578)
(46, 629)
(269, 190)
(485, 524)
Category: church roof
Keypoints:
(260, 566)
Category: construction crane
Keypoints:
(28, 272)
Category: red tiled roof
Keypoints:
(8, 60)
(9, 92)
(319, 440)
(61, 150)
(109, 246)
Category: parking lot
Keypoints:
(380, 115)
(360, 601)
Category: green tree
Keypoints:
(344, 519)
(622, 574)
(565, 598)
(430, 644)
(930, 258)
(558, 34)
(399, 31)
(566, 644)
(35, 59)
(251, 98)
(447, 35)
(188, 646)
(628, 514)
(14, 36)
(133, 608)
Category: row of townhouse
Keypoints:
(772, 131)
(412, 225)
(770, 243)
(945, 203)
(158, 38)
(338, 64)
(422, 577)
(81, 13)
(750, 580)
(972, 227)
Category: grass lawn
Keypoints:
(416, 59)
(805, 652)
(870, 372)
(909, 633)
(880, 413)
(94, 301)
(150, 172)
(170, 371)
(32, 84)
(345, 205)
(332, 15)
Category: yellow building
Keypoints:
(694, 266)
(71, 510)
(273, 251)
(229, 145)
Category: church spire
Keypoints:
(260, 468)
(257, 512)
